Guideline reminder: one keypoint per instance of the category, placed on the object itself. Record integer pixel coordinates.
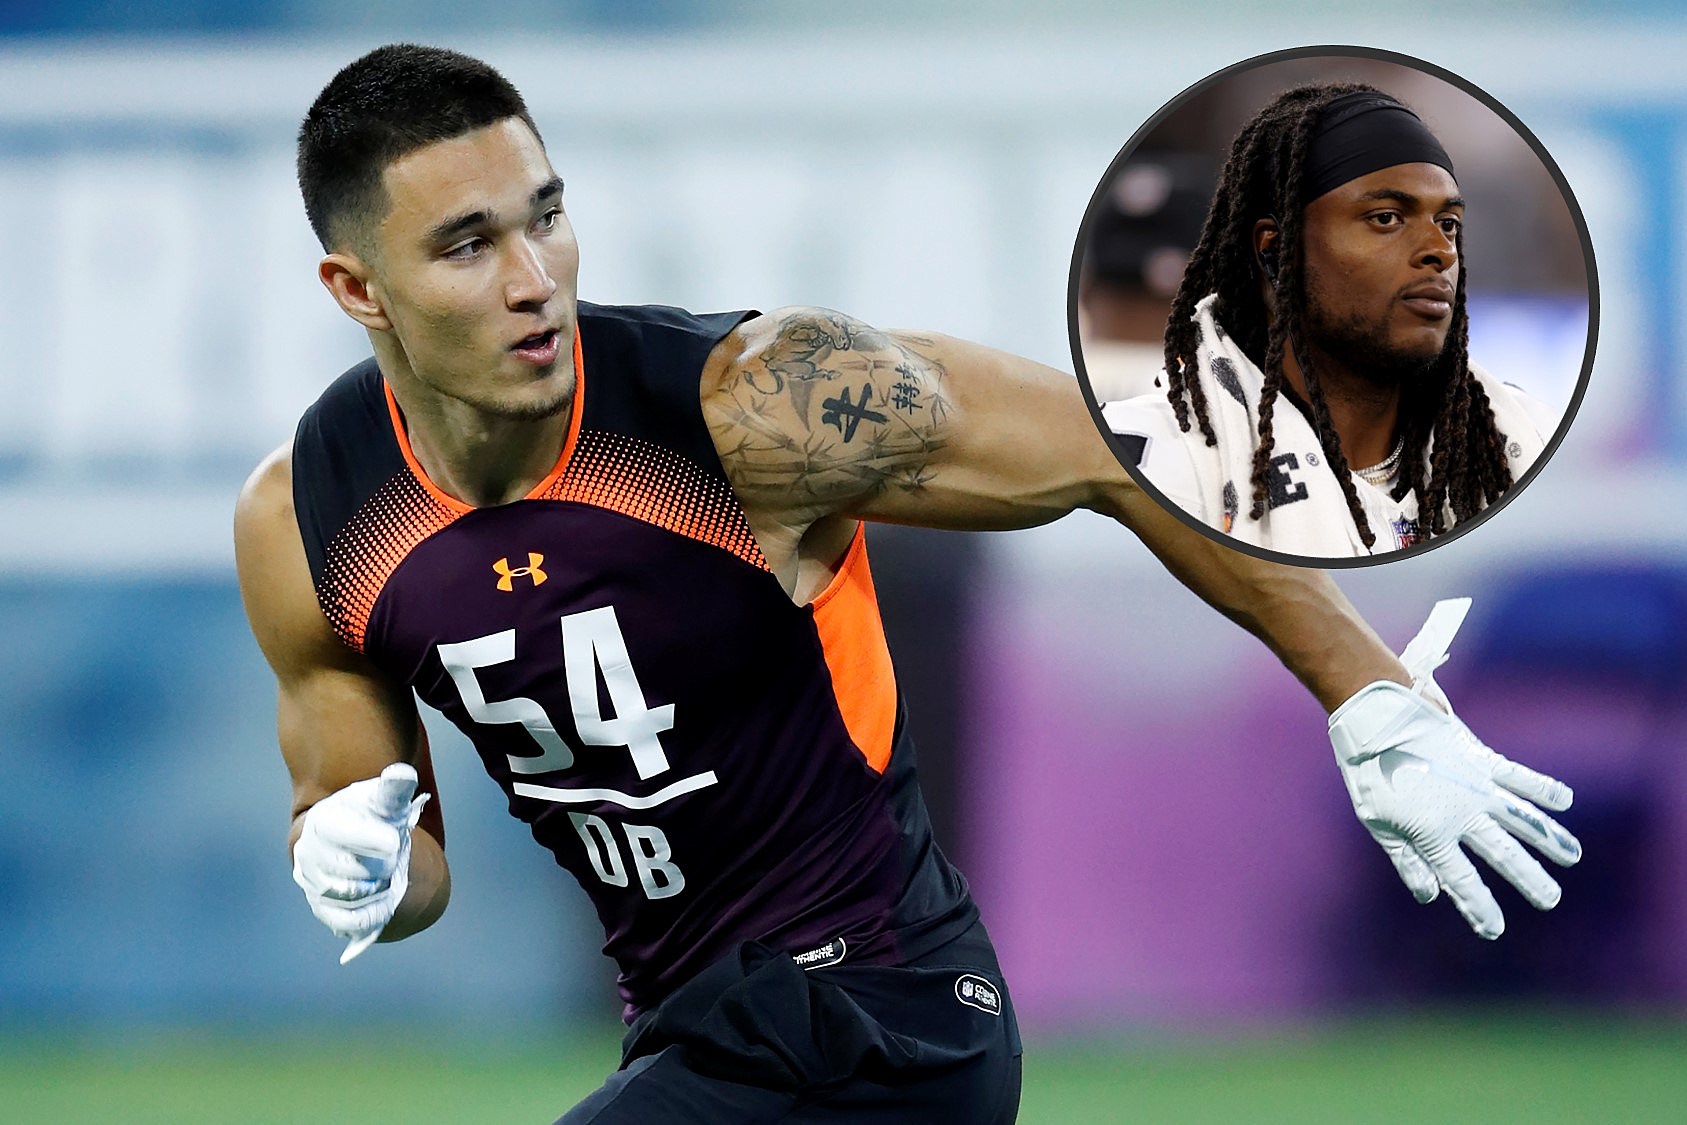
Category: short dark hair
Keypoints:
(390, 102)
(1264, 177)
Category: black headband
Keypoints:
(1359, 133)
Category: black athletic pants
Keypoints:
(753, 1038)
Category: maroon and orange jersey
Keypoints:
(713, 762)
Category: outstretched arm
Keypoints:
(818, 417)
(340, 722)
(821, 420)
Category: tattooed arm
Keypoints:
(821, 420)
(816, 414)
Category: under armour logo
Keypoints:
(507, 576)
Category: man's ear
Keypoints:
(349, 278)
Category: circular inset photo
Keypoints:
(1333, 306)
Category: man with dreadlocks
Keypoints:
(1330, 273)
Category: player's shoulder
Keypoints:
(657, 316)
(266, 530)
(347, 426)
(661, 341)
(274, 577)
(748, 342)
(1512, 404)
(268, 560)
(787, 338)
(267, 495)
(358, 390)
(810, 325)
(340, 420)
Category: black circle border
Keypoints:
(1344, 51)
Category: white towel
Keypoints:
(1306, 514)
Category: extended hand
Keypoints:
(1425, 785)
(353, 855)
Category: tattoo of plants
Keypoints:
(872, 434)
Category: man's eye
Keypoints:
(549, 218)
(466, 249)
(1450, 224)
(1386, 218)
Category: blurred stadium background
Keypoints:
(1193, 926)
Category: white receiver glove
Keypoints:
(353, 855)
(1424, 784)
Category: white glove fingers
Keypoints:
(338, 863)
(339, 877)
(1533, 784)
(371, 916)
(389, 797)
(1430, 690)
(413, 814)
(375, 839)
(1428, 650)
(1536, 829)
(350, 890)
(1514, 864)
(358, 945)
(1413, 871)
(1468, 892)
(353, 854)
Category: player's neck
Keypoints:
(479, 458)
(1364, 414)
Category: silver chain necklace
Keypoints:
(1383, 471)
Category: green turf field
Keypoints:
(1534, 1069)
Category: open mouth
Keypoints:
(541, 347)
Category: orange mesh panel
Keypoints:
(369, 548)
(846, 615)
(577, 412)
(623, 474)
(648, 482)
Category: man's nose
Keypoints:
(1438, 249)
(529, 282)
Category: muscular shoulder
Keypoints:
(812, 411)
(265, 506)
(275, 583)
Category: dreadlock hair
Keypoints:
(381, 107)
(1263, 176)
